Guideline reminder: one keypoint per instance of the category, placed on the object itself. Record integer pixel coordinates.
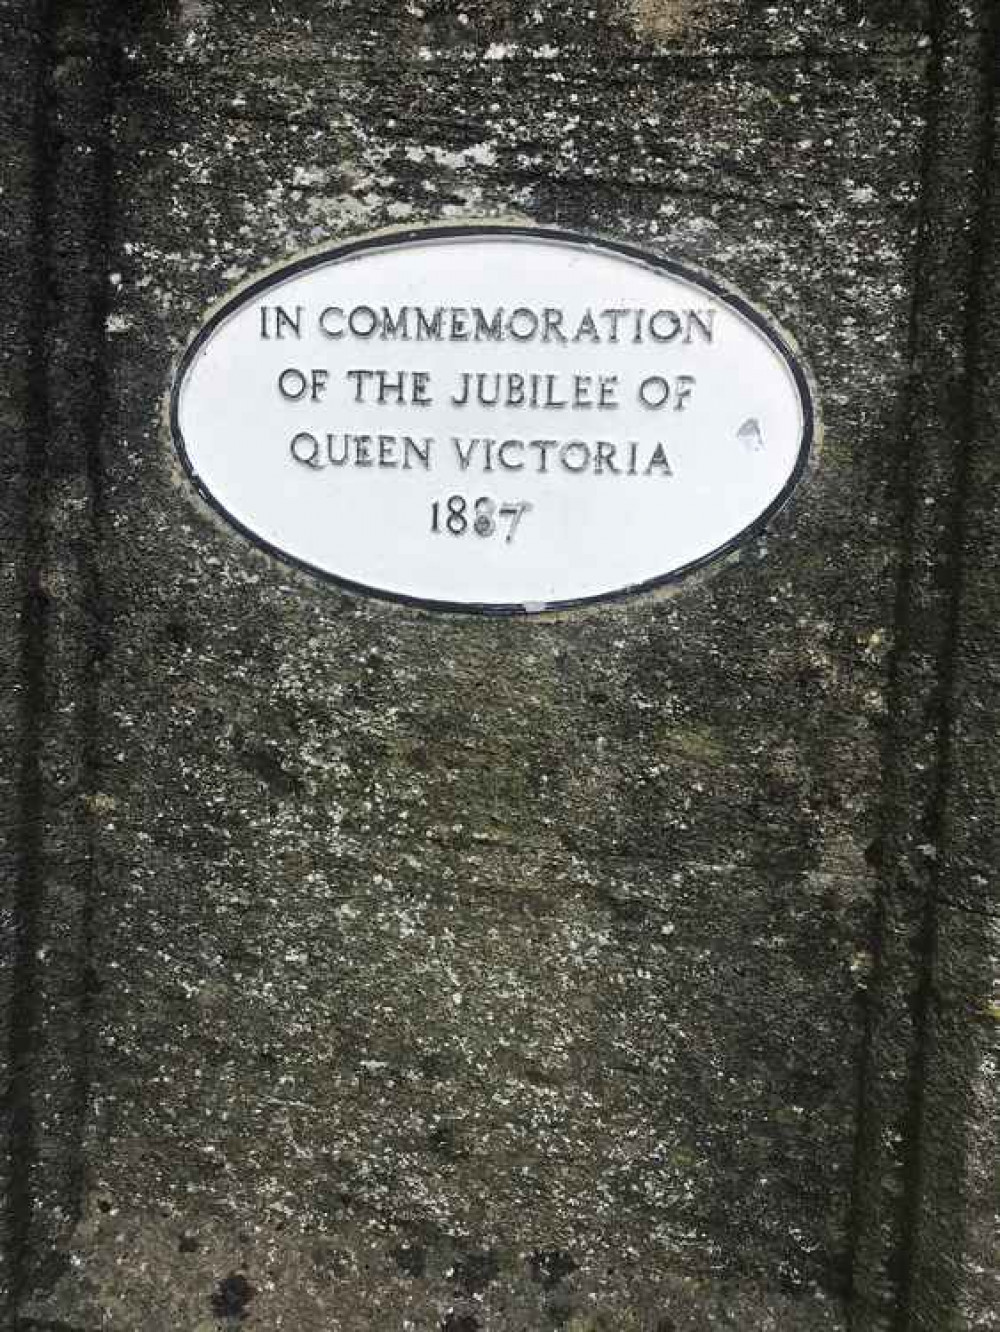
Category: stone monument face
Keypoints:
(500, 552)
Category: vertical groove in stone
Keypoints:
(27, 199)
(872, 1219)
(893, 1179)
(64, 287)
(928, 1285)
(955, 1207)
(84, 245)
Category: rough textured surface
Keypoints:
(21, 429)
(623, 971)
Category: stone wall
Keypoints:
(621, 970)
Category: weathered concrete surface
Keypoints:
(957, 1226)
(20, 430)
(56, 212)
(54, 287)
(623, 970)
(926, 1198)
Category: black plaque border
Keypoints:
(397, 238)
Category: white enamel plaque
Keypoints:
(495, 419)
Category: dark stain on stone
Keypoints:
(445, 1141)
(474, 1271)
(559, 1306)
(177, 632)
(626, 909)
(268, 768)
(188, 1243)
(411, 1259)
(231, 1297)
(550, 1266)
(460, 1322)
(875, 854)
(433, 1066)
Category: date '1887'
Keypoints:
(452, 515)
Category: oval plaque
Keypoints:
(493, 418)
